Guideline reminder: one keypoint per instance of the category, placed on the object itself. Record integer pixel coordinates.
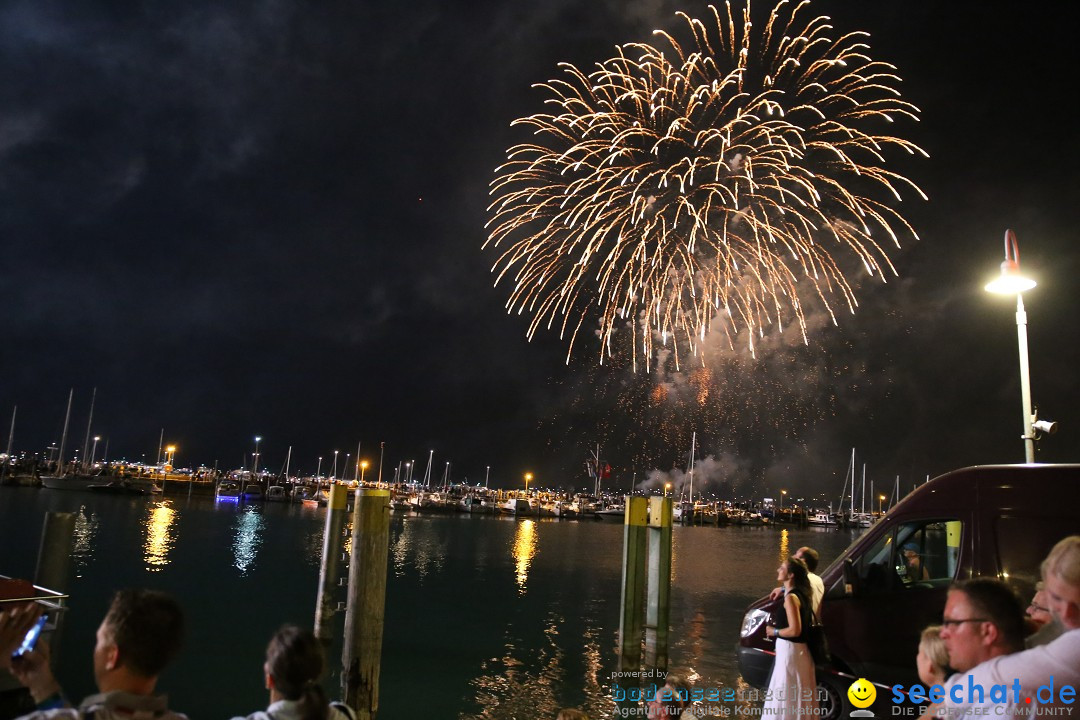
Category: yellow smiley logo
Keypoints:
(862, 693)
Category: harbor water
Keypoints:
(486, 617)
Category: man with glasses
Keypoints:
(1047, 628)
(983, 620)
(1048, 676)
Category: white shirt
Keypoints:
(1034, 668)
(817, 587)
(1032, 671)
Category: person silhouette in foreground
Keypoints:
(142, 632)
(293, 673)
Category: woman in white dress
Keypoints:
(792, 686)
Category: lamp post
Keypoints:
(255, 465)
(528, 477)
(363, 469)
(318, 472)
(667, 487)
(1012, 282)
(94, 451)
(487, 473)
(880, 499)
(333, 468)
(782, 494)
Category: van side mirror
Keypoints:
(852, 583)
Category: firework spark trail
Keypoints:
(672, 190)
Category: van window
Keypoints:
(1023, 543)
(914, 555)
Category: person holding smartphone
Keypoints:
(141, 633)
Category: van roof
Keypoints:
(1047, 478)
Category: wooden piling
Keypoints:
(633, 583)
(54, 565)
(54, 553)
(658, 589)
(325, 605)
(366, 602)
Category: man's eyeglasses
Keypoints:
(1037, 608)
(952, 623)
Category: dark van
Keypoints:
(992, 520)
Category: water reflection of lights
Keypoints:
(249, 526)
(784, 540)
(524, 550)
(419, 546)
(86, 526)
(160, 537)
(524, 682)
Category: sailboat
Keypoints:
(63, 480)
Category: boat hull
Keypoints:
(69, 482)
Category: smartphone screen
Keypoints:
(31, 638)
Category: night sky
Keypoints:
(267, 218)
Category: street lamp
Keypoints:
(363, 469)
(318, 471)
(528, 477)
(667, 487)
(880, 499)
(255, 466)
(487, 473)
(782, 494)
(1012, 282)
(94, 451)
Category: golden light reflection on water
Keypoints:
(86, 527)
(527, 682)
(784, 550)
(249, 527)
(160, 534)
(524, 550)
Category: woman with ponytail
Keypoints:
(293, 671)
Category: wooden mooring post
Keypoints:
(333, 547)
(54, 554)
(366, 603)
(658, 592)
(646, 596)
(633, 582)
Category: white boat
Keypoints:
(821, 519)
(227, 490)
(612, 513)
(71, 482)
(563, 509)
(276, 493)
(515, 506)
(863, 520)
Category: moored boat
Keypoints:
(821, 519)
(118, 487)
(515, 506)
(612, 513)
(70, 482)
(228, 490)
